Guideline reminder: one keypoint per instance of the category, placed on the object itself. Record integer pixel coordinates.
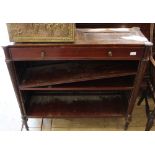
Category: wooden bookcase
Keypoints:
(96, 76)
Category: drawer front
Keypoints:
(76, 53)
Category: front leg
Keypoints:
(24, 120)
(127, 121)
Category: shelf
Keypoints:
(75, 72)
(118, 83)
(76, 106)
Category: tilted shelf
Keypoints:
(71, 72)
(116, 83)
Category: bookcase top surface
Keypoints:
(110, 36)
(102, 36)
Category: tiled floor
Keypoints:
(10, 114)
(95, 124)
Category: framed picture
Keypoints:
(41, 32)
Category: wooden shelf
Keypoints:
(75, 72)
(77, 106)
(118, 83)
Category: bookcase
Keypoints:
(99, 75)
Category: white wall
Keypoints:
(9, 110)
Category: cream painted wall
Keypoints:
(9, 110)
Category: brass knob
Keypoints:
(109, 53)
(43, 53)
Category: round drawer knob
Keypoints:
(110, 54)
(43, 53)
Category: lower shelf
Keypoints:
(77, 106)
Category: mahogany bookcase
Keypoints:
(99, 75)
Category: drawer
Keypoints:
(76, 53)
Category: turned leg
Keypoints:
(137, 83)
(150, 120)
(142, 98)
(127, 122)
(149, 123)
(24, 120)
(147, 108)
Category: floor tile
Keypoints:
(47, 124)
(34, 122)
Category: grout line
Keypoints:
(22, 127)
(42, 121)
(51, 124)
